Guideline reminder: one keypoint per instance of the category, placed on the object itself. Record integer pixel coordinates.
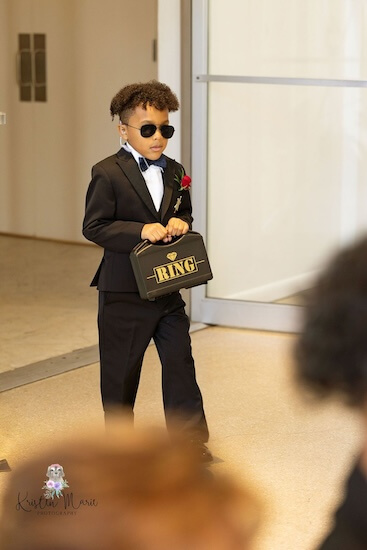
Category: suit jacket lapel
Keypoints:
(127, 163)
(168, 182)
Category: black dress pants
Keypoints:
(126, 325)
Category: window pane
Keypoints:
(288, 38)
(287, 182)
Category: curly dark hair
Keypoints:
(154, 93)
(331, 352)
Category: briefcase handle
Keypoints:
(174, 241)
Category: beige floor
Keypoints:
(46, 303)
(262, 429)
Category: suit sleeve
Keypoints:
(100, 224)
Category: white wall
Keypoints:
(47, 149)
(119, 54)
(169, 62)
(24, 201)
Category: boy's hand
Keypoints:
(154, 232)
(175, 228)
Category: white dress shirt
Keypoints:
(153, 177)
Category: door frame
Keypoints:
(242, 314)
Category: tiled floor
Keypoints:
(262, 428)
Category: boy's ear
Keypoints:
(122, 130)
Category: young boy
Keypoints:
(135, 195)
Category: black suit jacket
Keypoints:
(118, 205)
(350, 529)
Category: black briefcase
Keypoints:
(161, 269)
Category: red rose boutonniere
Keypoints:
(184, 181)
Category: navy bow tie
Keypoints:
(145, 163)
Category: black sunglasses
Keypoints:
(148, 130)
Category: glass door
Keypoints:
(279, 151)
